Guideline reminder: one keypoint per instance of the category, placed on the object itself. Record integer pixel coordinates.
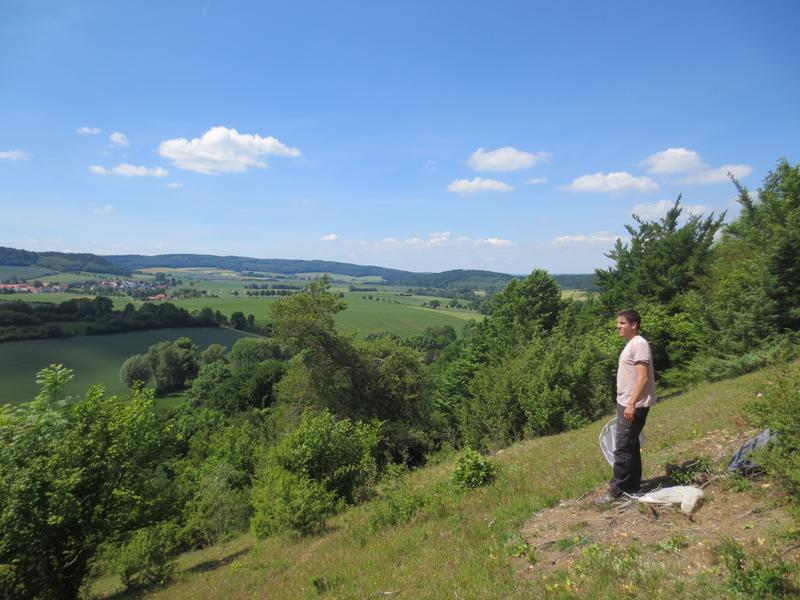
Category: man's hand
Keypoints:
(629, 410)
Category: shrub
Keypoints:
(290, 504)
(145, 559)
(779, 409)
(473, 470)
(398, 506)
(336, 454)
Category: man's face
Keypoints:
(625, 329)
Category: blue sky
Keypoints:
(418, 135)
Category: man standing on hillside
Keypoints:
(636, 393)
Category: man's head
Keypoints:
(628, 321)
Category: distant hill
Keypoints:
(123, 264)
(60, 261)
(448, 279)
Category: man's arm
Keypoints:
(642, 377)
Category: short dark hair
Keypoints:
(631, 316)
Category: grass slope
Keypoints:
(463, 545)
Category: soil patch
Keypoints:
(686, 544)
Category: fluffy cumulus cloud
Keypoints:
(119, 139)
(612, 182)
(89, 130)
(223, 150)
(505, 159)
(331, 237)
(601, 237)
(126, 170)
(496, 242)
(14, 155)
(656, 210)
(672, 160)
(467, 187)
(682, 161)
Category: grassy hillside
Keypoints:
(473, 545)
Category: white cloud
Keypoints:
(673, 160)
(505, 159)
(601, 237)
(89, 130)
(443, 239)
(14, 155)
(720, 174)
(103, 210)
(118, 139)
(656, 210)
(223, 150)
(126, 170)
(467, 187)
(173, 185)
(613, 182)
(497, 242)
(537, 181)
(331, 237)
(682, 160)
(431, 165)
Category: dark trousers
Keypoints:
(627, 456)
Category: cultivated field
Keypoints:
(95, 358)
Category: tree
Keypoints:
(249, 351)
(213, 353)
(238, 320)
(135, 368)
(661, 261)
(74, 473)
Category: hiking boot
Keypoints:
(606, 499)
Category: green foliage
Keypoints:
(71, 479)
(688, 472)
(661, 260)
(473, 470)
(249, 351)
(145, 559)
(397, 506)
(213, 353)
(751, 577)
(135, 368)
(290, 504)
(217, 509)
(779, 409)
(337, 454)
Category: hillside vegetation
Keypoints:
(423, 538)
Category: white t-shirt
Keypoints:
(637, 350)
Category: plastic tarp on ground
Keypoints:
(685, 495)
(608, 440)
(741, 461)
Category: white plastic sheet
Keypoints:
(608, 440)
(685, 495)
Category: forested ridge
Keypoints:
(279, 434)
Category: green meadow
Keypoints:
(95, 358)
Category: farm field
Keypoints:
(94, 358)
(23, 273)
(362, 316)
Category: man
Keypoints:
(636, 393)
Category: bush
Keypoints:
(399, 505)
(145, 559)
(473, 470)
(336, 454)
(779, 409)
(290, 504)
